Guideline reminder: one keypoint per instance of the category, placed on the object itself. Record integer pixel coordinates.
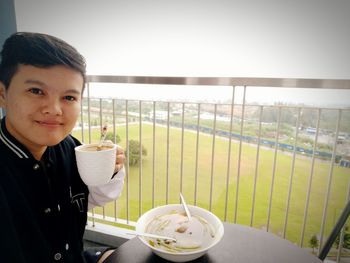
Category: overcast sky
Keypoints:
(250, 38)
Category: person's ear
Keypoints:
(2, 95)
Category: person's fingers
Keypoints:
(120, 150)
(118, 167)
(120, 159)
(105, 256)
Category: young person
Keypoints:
(43, 201)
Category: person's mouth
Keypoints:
(49, 123)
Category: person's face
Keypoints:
(42, 104)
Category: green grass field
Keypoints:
(339, 187)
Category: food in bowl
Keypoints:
(189, 234)
(193, 237)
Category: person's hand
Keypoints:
(119, 162)
(120, 159)
(105, 255)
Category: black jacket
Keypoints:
(43, 204)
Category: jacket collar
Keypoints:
(11, 143)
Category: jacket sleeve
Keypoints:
(102, 194)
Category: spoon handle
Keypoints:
(151, 236)
(185, 207)
(103, 137)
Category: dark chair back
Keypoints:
(335, 232)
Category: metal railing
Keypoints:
(239, 183)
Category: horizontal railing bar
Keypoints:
(225, 81)
(222, 104)
(121, 221)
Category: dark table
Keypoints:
(239, 244)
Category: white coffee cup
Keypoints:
(96, 167)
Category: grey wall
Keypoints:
(7, 19)
(8, 25)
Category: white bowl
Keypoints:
(212, 219)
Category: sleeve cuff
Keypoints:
(119, 174)
(114, 174)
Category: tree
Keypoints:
(110, 136)
(313, 243)
(94, 122)
(346, 239)
(134, 149)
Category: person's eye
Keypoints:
(70, 98)
(36, 91)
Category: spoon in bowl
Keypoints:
(152, 236)
(185, 207)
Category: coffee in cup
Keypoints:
(95, 148)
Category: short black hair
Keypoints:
(39, 50)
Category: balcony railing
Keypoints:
(283, 168)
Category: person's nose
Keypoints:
(52, 106)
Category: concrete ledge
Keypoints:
(106, 235)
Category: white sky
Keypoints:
(250, 38)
